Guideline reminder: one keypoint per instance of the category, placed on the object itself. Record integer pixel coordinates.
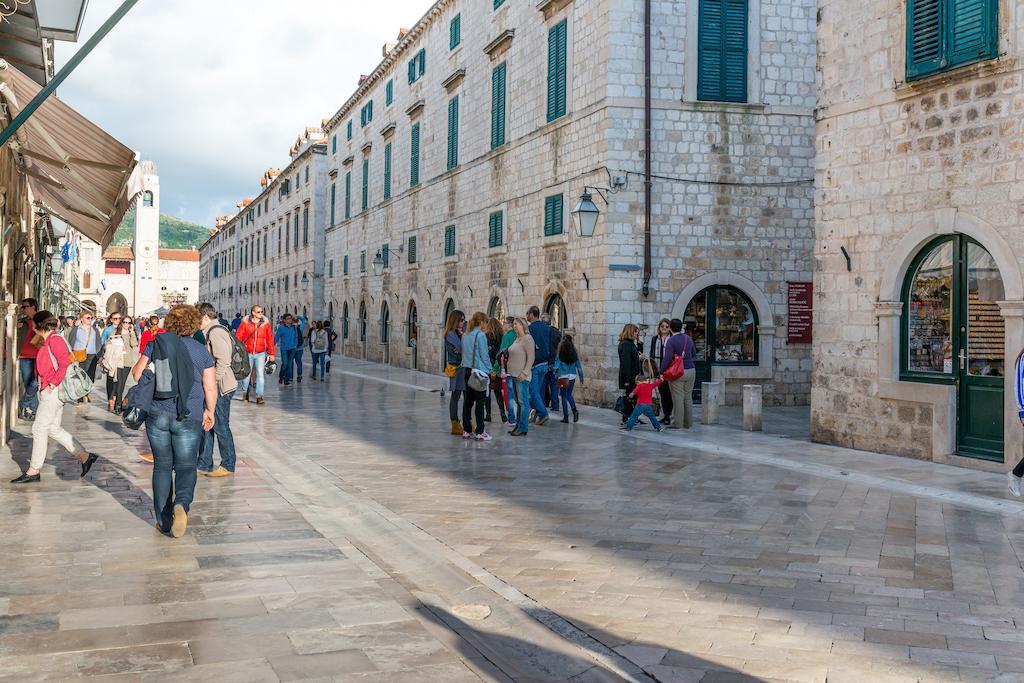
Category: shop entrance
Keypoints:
(723, 325)
(953, 333)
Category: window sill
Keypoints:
(728, 107)
(990, 66)
(558, 239)
(498, 249)
(450, 259)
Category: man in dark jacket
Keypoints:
(541, 333)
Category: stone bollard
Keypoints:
(711, 402)
(752, 404)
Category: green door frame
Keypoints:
(705, 364)
(967, 444)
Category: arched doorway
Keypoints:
(953, 333)
(723, 324)
(344, 321)
(362, 327)
(385, 331)
(496, 308)
(412, 333)
(117, 303)
(330, 312)
(555, 307)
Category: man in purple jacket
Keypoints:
(680, 344)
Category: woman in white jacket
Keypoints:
(120, 353)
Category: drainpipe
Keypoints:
(647, 149)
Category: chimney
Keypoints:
(402, 33)
(388, 47)
(363, 79)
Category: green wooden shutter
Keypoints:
(412, 70)
(925, 20)
(366, 184)
(557, 70)
(449, 241)
(412, 250)
(414, 157)
(334, 196)
(296, 231)
(553, 218)
(348, 130)
(498, 106)
(389, 93)
(495, 229)
(422, 58)
(387, 171)
(453, 133)
(722, 51)
(385, 254)
(344, 265)
(455, 32)
(334, 144)
(348, 194)
(305, 225)
(973, 30)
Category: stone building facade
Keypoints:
(919, 303)
(271, 252)
(484, 223)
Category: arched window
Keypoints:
(344, 320)
(449, 306)
(147, 198)
(330, 311)
(87, 280)
(385, 324)
(362, 321)
(412, 325)
(953, 332)
(496, 308)
(555, 307)
(724, 327)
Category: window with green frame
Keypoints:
(455, 32)
(362, 261)
(724, 327)
(553, 218)
(344, 265)
(389, 92)
(946, 34)
(414, 156)
(366, 114)
(305, 225)
(348, 194)
(453, 132)
(411, 249)
(296, 231)
(387, 171)
(557, 68)
(496, 229)
(334, 197)
(348, 130)
(722, 45)
(418, 65)
(498, 106)
(366, 185)
(330, 268)
(449, 241)
(385, 255)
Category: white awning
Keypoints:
(77, 171)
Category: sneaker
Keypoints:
(1014, 483)
(467, 435)
(180, 522)
(260, 401)
(659, 429)
(533, 417)
(624, 430)
(299, 379)
(146, 457)
(280, 381)
(483, 437)
(245, 399)
(542, 421)
(220, 472)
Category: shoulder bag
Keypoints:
(76, 383)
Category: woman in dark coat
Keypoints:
(629, 363)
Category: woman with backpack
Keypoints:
(184, 403)
(52, 363)
(319, 342)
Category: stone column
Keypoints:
(889, 314)
(752, 405)
(1013, 435)
(711, 402)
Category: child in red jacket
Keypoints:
(644, 393)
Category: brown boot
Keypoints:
(457, 428)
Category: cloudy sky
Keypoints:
(216, 92)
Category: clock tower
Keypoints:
(148, 297)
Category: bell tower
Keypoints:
(146, 246)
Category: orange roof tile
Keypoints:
(179, 255)
(119, 254)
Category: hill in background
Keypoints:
(174, 232)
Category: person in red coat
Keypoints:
(256, 333)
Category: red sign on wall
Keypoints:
(801, 312)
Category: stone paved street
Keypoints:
(360, 542)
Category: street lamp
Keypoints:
(305, 281)
(586, 212)
(378, 263)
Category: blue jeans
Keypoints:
(646, 411)
(538, 378)
(175, 448)
(512, 383)
(319, 359)
(258, 361)
(287, 361)
(30, 399)
(298, 360)
(567, 399)
(523, 392)
(222, 429)
(552, 389)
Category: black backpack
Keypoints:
(240, 365)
